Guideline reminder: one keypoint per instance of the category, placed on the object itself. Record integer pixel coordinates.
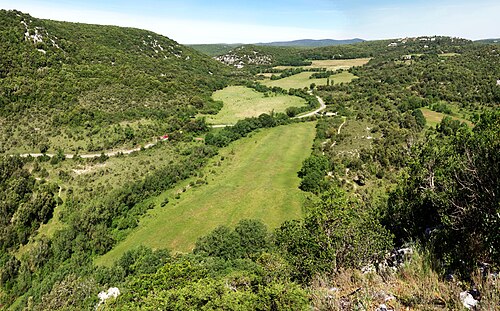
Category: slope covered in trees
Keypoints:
(95, 87)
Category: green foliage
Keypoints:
(419, 118)
(142, 260)
(248, 240)
(243, 127)
(441, 107)
(197, 283)
(336, 233)
(24, 204)
(83, 82)
(449, 196)
(313, 174)
(449, 126)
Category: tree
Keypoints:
(44, 147)
(221, 242)
(336, 233)
(313, 174)
(419, 118)
(253, 237)
(449, 198)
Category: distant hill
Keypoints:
(224, 48)
(311, 42)
(88, 82)
(489, 41)
(214, 49)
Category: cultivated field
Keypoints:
(332, 64)
(241, 102)
(302, 80)
(433, 117)
(255, 177)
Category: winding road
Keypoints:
(322, 107)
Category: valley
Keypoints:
(254, 178)
(245, 176)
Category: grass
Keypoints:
(354, 136)
(448, 54)
(255, 177)
(302, 80)
(433, 117)
(332, 64)
(241, 102)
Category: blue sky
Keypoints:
(216, 21)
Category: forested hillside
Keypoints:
(95, 87)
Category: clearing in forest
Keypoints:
(433, 117)
(332, 64)
(241, 102)
(254, 177)
(302, 80)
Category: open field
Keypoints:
(255, 177)
(302, 80)
(448, 54)
(433, 117)
(332, 64)
(241, 102)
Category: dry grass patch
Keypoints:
(415, 286)
(331, 64)
(433, 117)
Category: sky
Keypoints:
(223, 21)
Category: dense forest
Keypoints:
(399, 210)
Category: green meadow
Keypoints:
(302, 80)
(241, 102)
(433, 117)
(255, 177)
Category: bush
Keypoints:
(336, 233)
(449, 198)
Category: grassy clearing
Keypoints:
(302, 80)
(255, 177)
(332, 64)
(448, 54)
(433, 117)
(241, 102)
(354, 136)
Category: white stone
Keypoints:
(112, 292)
(467, 300)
